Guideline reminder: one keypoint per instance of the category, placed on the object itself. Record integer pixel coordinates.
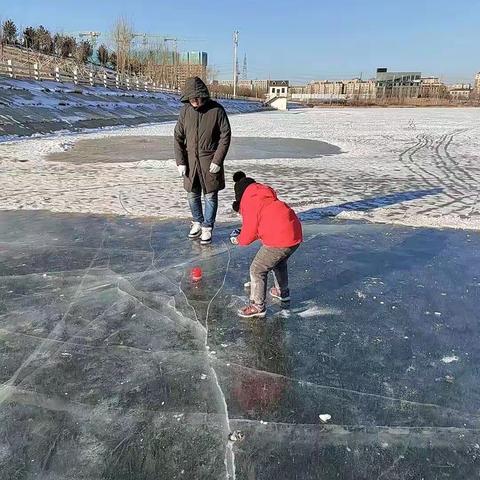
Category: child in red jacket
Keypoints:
(274, 223)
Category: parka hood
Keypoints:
(194, 88)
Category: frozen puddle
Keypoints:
(115, 366)
(141, 148)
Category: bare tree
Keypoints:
(135, 66)
(57, 43)
(103, 55)
(9, 32)
(122, 36)
(113, 59)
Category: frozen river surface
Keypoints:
(113, 365)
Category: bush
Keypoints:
(43, 41)
(67, 47)
(29, 37)
(83, 52)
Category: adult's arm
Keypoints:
(225, 138)
(180, 140)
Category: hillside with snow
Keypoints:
(28, 107)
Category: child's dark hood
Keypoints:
(194, 88)
(242, 182)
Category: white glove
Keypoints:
(182, 170)
(214, 168)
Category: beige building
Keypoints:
(460, 91)
(173, 76)
(325, 87)
(476, 88)
(341, 89)
(433, 87)
(253, 85)
(361, 89)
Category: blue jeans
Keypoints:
(211, 206)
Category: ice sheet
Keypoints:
(115, 365)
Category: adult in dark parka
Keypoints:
(202, 139)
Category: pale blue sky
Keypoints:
(296, 40)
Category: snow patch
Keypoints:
(450, 359)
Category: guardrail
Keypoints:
(90, 78)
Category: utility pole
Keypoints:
(235, 68)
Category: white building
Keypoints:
(277, 94)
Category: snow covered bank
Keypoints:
(418, 167)
(30, 107)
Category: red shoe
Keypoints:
(252, 311)
(276, 293)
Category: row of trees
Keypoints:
(132, 53)
(65, 46)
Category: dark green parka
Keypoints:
(202, 137)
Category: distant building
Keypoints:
(432, 87)
(325, 87)
(257, 87)
(192, 64)
(360, 89)
(171, 69)
(246, 83)
(460, 91)
(297, 89)
(194, 58)
(277, 94)
(397, 84)
(476, 87)
(341, 90)
(261, 85)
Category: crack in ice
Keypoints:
(229, 460)
(4, 393)
(348, 390)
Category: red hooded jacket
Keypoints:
(267, 219)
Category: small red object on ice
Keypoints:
(196, 274)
